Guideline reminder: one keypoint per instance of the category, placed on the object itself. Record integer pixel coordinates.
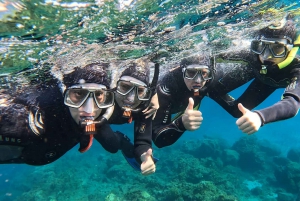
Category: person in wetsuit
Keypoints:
(40, 125)
(132, 96)
(274, 65)
(178, 92)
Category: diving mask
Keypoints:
(190, 72)
(76, 95)
(279, 48)
(142, 91)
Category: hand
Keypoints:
(147, 166)
(250, 122)
(152, 107)
(191, 119)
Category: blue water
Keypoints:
(182, 172)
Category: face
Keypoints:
(271, 50)
(130, 99)
(198, 81)
(89, 108)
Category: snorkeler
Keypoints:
(133, 94)
(180, 91)
(274, 65)
(40, 125)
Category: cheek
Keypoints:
(74, 113)
(188, 83)
(119, 98)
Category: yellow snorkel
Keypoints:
(291, 55)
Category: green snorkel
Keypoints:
(291, 55)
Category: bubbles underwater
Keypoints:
(33, 32)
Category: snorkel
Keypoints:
(291, 56)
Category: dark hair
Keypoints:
(138, 71)
(289, 30)
(202, 59)
(91, 73)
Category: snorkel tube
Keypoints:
(291, 55)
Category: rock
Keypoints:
(294, 155)
(230, 157)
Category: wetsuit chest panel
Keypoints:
(230, 76)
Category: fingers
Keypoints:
(247, 126)
(150, 112)
(145, 110)
(148, 168)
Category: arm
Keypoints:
(286, 108)
(15, 132)
(255, 94)
(143, 144)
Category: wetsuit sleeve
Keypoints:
(165, 131)
(286, 108)
(17, 131)
(255, 94)
(109, 140)
(142, 135)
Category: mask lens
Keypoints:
(206, 74)
(103, 98)
(190, 73)
(76, 97)
(124, 87)
(257, 46)
(278, 49)
(143, 93)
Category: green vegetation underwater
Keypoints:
(215, 163)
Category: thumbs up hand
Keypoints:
(250, 122)
(191, 119)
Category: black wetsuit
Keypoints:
(261, 87)
(37, 128)
(173, 96)
(232, 70)
(142, 130)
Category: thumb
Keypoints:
(146, 154)
(242, 108)
(191, 104)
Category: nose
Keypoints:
(266, 53)
(88, 106)
(131, 96)
(198, 78)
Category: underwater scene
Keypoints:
(42, 39)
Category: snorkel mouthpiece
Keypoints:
(196, 90)
(90, 125)
(127, 114)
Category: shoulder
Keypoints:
(171, 81)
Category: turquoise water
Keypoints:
(202, 164)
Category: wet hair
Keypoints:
(289, 30)
(91, 73)
(138, 70)
(202, 59)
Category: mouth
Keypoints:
(87, 118)
(197, 87)
(128, 103)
